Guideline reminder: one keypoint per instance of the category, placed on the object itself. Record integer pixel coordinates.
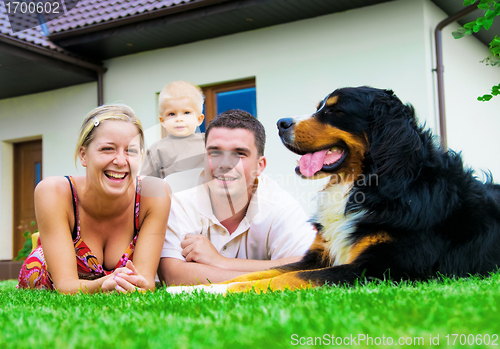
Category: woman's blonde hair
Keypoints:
(92, 120)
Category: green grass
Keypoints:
(41, 319)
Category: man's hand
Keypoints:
(198, 248)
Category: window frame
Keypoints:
(210, 92)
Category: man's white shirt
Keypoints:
(275, 225)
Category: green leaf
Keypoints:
(487, 23)
(480, 20)
(469, 2)
(483, 6)
(484, 98)
(477, 28)
(459, 33)
(490, 14)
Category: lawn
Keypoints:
(357, 316)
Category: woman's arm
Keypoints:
(54, 215)
(155, 206)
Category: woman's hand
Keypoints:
(125, 279)
(110, 283)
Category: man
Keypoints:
(238, 220)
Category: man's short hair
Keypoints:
(237, 118)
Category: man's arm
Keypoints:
(204, 264)
(250, 265)
(174, 271)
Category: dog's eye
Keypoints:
(331, 112)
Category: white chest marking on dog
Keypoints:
(337, 226)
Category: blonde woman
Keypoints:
(93, 226)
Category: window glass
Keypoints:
(240, 99)
(38, 173)
(220, 98)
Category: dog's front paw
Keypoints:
(215, 288)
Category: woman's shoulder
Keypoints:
(53, 196)
(53, 185)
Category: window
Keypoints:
(233, 95)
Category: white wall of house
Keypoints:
(473, 127)
(295, 65)
(55, 118)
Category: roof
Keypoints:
(96, 30)
(32, 35)
(91, 12)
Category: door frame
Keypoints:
(15, 197)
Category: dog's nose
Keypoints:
(285, 124)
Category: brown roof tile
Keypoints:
(82, 13)
(32, 35)
(89, 12)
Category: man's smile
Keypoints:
(225, 179)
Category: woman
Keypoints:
(107, 217)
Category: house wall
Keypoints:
(295, 65)
(55, 118)
(472, 126)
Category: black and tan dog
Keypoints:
(396, 206)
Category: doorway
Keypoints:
(27, 174)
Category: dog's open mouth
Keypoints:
(326, 160)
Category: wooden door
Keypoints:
(27, 174)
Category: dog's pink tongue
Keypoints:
(311, 163)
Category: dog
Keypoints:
(397, 206)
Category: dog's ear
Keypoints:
(395, 143)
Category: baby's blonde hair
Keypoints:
(117, 112)
(182, 89)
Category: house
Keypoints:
(292, 53)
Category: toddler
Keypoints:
(180, 107)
